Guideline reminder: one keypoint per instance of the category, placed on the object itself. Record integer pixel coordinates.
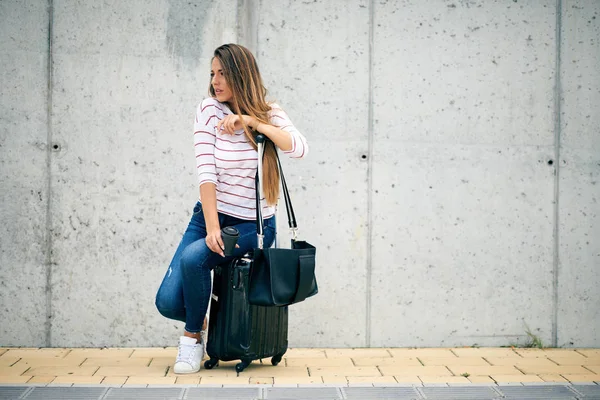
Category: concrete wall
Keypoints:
(579, 177)
(451, 189)
(24, 173)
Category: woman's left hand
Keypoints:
(232, 123)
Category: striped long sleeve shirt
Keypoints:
(230, 162)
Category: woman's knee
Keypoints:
(168, 304)
(164, 304)
(194, 256)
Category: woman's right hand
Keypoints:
(215, 242)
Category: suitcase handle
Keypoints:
(260, 144)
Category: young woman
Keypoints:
(227, 161)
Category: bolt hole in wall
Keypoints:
(550, 162)
(364, 156)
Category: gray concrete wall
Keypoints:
(24, 172)
(462, 193)
(579, 176)
(451, 189)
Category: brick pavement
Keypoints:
(423, 366)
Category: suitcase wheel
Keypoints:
(239, 367)
(210, 364)
(276, 359)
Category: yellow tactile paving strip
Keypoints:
(153, 366)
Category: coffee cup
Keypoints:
(230, 236)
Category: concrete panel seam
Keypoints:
(48, 241)
(370, 133)
(256, 21)
(247, 24)
(557, 132)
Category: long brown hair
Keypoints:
(243, 78)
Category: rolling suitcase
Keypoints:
(238, 330)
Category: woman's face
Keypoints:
(219, 83)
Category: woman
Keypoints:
(227, 161)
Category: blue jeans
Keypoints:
(185, 290)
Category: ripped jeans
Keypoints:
(186, 288)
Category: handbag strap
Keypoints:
(261, 140)
(286, 195)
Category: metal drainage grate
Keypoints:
(537, 392)
(460, 393)
(12, 392)
(381, 393)
(144, 393)
(323, 393)
(223, 394)
(62, 393)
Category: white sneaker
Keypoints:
(189, 356)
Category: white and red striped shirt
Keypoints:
(230, 161)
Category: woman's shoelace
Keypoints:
(186, 354)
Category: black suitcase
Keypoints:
(236, 329)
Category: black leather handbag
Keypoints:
(280, 277)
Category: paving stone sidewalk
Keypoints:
(316, 368)
(541, 392)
